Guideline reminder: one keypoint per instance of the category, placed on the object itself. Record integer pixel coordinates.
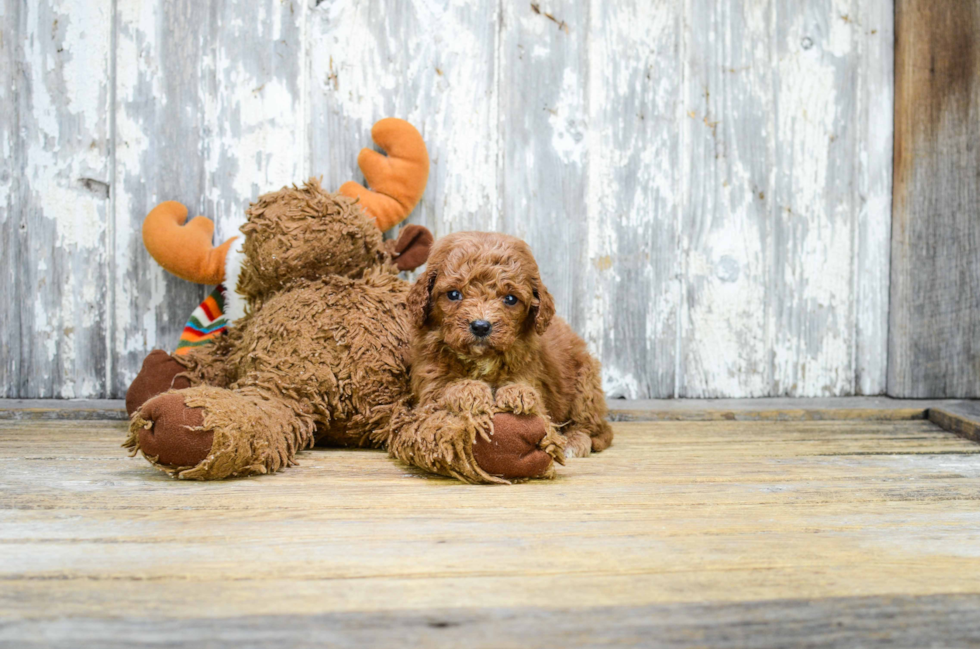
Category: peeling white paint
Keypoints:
(431, 64)
(817, 267)
(266, 148)
(843, 22)
(568, 131)
(85, 51)
(62, 87)
(681, 169)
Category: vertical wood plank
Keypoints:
(55, 226)
(729, 149)
(11, 160)
(812, 319)
(431, 62)
(787, 209)
(160, 117)
(256, 134)
(210, 113)
(628, 284)
(836, 224)
(543, 134)
(934, 332)
(873, 149)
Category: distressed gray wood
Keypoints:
(257, 126)
(57, 206)
(431, 62)
(879, 621)
(209, 113)
(160, 120)
(934, 345)
(706, 185)
(631, 240)
(11, 157)
(544, 130)
(725, 339)
(787, 207)
(872, 143)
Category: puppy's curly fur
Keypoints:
(529, 362)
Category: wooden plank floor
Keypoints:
(685, 533)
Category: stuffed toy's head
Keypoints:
(306, 232)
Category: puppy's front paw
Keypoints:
(518, 398)
(468, 397)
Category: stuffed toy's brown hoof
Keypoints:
(514, 449)
(174, 434)
(158, 374)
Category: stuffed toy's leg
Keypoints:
(209, 433)
(468, 435)
(162, 371)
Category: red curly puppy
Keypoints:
(487, 338)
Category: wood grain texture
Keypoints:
(895, 621)
(706, 185)
(209, 112)
(773, 409)
(11, 158)
(544, 134)
(431, 62)
(700, 527)
(962, 418)
(54, 227)
(99, 409)
(934, 345)
(780, 236)
(160, 121)
(631, 244)
(257, 126)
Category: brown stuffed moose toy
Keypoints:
(319, 348)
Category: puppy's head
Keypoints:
(480, 293)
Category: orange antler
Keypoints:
(184, 250)
(397, 179)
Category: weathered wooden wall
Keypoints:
(935, 287)
(707, 185)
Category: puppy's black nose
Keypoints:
(481, 328)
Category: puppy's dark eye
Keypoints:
(454, 296)
(510, 300)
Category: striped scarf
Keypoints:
(206, 323)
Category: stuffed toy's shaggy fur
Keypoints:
(317, 356)
(487, 340)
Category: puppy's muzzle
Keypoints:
(480, 328)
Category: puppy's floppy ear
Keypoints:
(420, 297)
(542, 307)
